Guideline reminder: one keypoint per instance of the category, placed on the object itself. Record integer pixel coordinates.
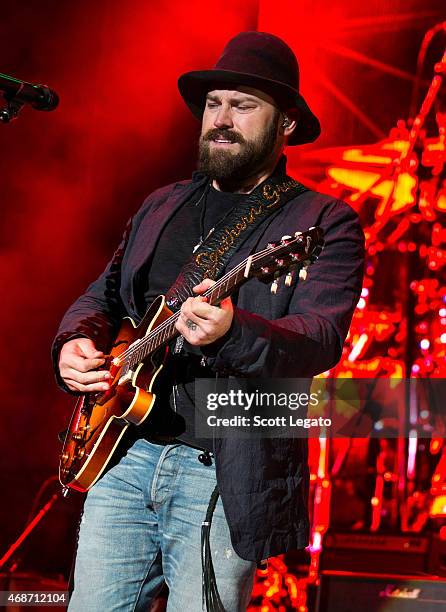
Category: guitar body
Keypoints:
(100, 420)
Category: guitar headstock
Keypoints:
(288, 254)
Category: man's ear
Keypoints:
(289, 122)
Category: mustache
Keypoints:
(224, 135)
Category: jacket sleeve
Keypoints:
(97, 314)
(309, 339)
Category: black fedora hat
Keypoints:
(262, 61)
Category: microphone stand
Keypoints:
(11, 110)
(17, 93)
(13, 104)
(28, 529)
(34, 518)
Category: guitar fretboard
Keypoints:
(167, 331)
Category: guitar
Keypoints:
(100, 420)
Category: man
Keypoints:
(142, 520)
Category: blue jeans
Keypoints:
(142, 524)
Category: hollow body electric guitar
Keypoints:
(100, 420)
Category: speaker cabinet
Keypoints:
(361, 592)
(368, 553)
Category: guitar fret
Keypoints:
(156, 340)
(170, 330)
(211, 296)
(139, 352)
(136, 357)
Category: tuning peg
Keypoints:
(297, 234)
(303, 273)
(308, 245)
(274, 286)
(289, 279)
(284, 238)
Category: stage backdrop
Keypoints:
(70, 179)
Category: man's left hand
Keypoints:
(199, 322)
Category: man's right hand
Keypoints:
(78, 366)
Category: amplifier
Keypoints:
(367, 552)
(350, 592)
(437, 556)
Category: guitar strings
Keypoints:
(172, 319)
(129, 352)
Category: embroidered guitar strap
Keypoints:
(214, 253)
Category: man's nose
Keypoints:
(223, 118)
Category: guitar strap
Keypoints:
(213, 254)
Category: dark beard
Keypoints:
(229, 169)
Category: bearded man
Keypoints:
(142, 519)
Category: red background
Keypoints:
(70, 179)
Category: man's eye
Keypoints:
(244, 107)
(212, 105)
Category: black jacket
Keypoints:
(297, 333)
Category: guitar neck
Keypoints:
(167, 331)
(289, 253)
(226, 286)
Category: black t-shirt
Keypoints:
(174, 413)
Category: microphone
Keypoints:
(17, 93)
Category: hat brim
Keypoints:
(194, 86)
